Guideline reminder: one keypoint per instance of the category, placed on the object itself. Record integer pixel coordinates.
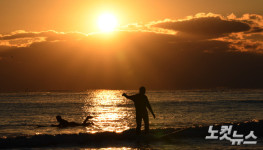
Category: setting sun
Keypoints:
(107, 22)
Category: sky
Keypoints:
(169, 44)
(81, 15)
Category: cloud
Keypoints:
(252, 42)
(135, 56)
(22, 38)
(199, 27)
(243, 34)
(209, 26)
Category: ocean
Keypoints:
(28, 116)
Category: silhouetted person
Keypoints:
(65, 123)
(141, 102)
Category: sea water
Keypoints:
(32, 113)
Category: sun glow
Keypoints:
(107, 22)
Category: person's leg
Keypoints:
(85, 121)
(146, 123)
(139, 123)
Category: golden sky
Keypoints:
(170, 44)
(81, 15)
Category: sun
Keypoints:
(107, 22)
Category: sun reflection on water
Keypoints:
(116, 148)
(109, 110)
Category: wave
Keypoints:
(127, 138)
(208, 102)
(99, 139)
(250, 101)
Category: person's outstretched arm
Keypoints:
(129, 97)
(149, 107)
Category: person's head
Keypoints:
(58, 118)
(142, 90)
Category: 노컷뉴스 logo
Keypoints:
(227, 134)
